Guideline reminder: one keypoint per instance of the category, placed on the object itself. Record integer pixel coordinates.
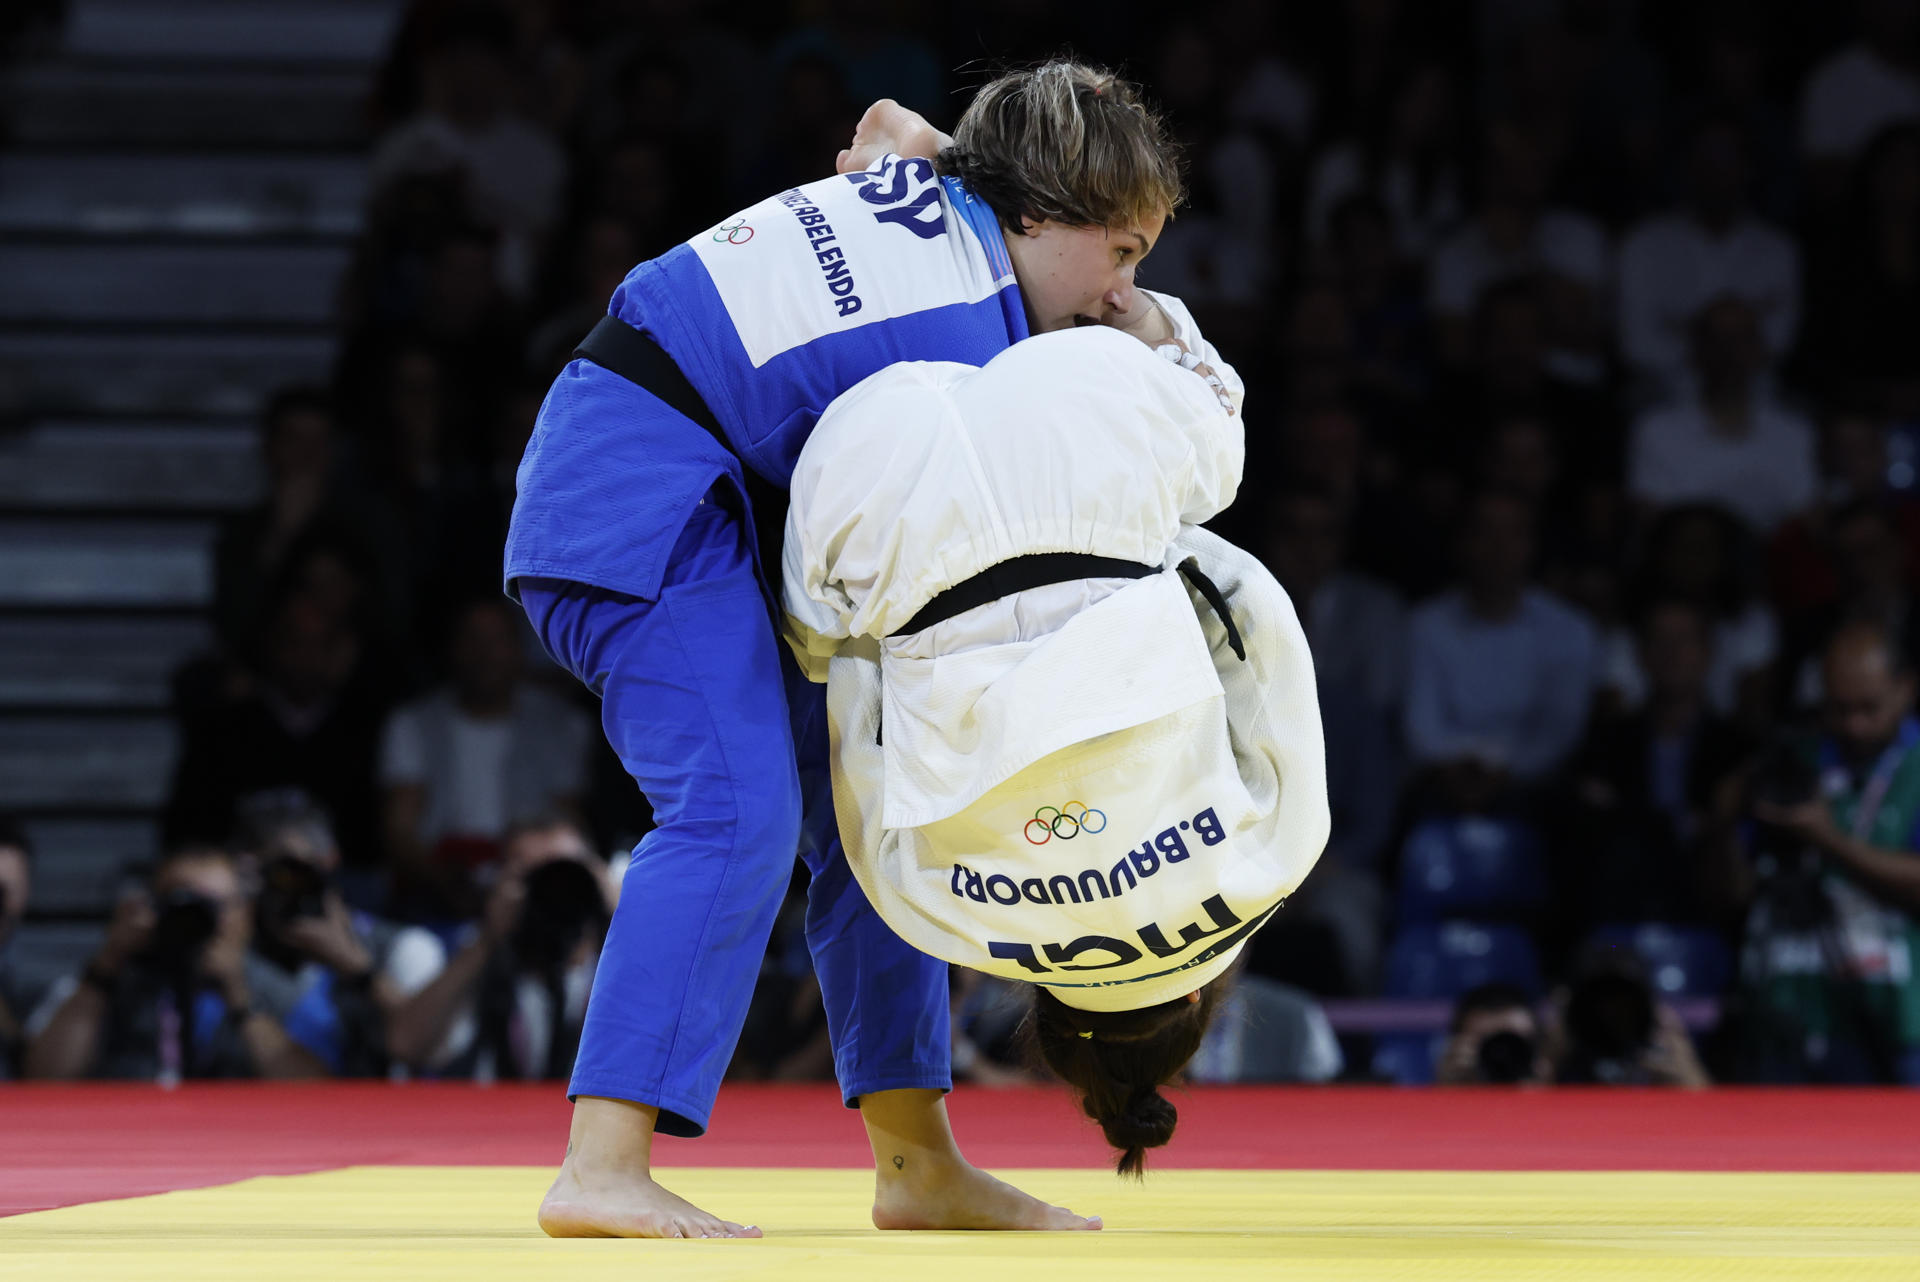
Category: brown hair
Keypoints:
(1118, 1060)
(1066, 142)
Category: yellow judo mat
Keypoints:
(476, 1223)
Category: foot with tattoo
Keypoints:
(922, 1181)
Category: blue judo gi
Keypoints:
(632, 550)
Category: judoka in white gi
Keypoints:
(1092, 770)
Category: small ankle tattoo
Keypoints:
(898, 1161)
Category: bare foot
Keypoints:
(626, 1206)
(960, 1196)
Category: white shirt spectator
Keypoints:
(1763, 476)
(1419, 222)
(1741, 645)
(482, 775)
(1563, 244)
(1852, 96)
(1672, 264)
(1357, 628)
(1511, 693)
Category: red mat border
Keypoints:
(71, 1144)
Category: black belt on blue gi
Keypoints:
(621, 349)
(617, 346)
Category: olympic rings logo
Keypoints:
(734, 233)
(1065, 822)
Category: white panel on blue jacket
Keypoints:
(844, 252)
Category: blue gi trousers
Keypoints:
(729, 743)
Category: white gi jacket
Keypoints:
(1079, 785)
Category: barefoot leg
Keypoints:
(605, 1187)
(922, 1182)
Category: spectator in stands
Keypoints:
(597, 259)
(1728, 440)
(874, 48)
(1493, 1038)
(1355, 624)
(635, 184)
(1410, 163)
(1356, 627)
(304, 496)
(310, 720)
(1513, 233)
(1508, 374)
(1856, 465)
(331, 981)
(1643, 785)
(1875, 587)
(1701, 554)
(1388, 310)
(1676, 262)
(1739, 55)
(1316, 347)
(1500, 672)
(510, 1000)
(1267, 1032)
(176, 990)
(16, 891)
(1860, 89)
(1217, 256)
(1864, 314)
(464, 763)
(1610, 1029)
(1830, 875)
(514, 170)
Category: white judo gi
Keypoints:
(1081, 784)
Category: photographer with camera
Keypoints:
(1493, 1039)
(510, 1001)
(1609, 1028)
(175, 990)
(331, 968)
(1829, 874)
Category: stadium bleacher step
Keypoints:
(81, 861)
(181, 193)
(117, 464)
(67, 564)
(69, 104)
(347, 32)
(94, 763)
(157, 372)
(139, 283)
(105, 663)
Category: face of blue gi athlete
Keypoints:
(1079, 275)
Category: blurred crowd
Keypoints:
(1582, 340)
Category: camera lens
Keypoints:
(1505, 1058)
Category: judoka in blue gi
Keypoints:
(632, 550)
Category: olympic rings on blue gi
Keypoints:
(730, 233)
(1063, 822)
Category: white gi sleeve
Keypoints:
(1189, 333)
(819, 615)
(1219, 440)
